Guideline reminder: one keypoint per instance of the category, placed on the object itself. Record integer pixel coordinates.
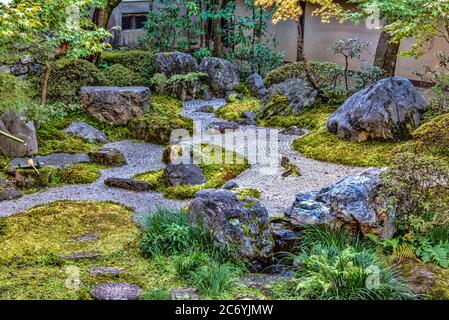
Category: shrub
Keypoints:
(437, 106)
(333, 265)
(14, 93)
(417, 187)
(214, 278)
(162, 118)
(180, 86)
(119, 75)
(258, 58)
(139, 61)
(68, 76)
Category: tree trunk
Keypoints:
(300, 55)
(218, 39)
(44, 83)
(386, 54)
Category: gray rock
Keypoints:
(56, 160)
(116, 291)
(294, 131)
(19, 69)
(223, 74)
(171, 63)
(105, 271)
(257, 86)
(184, 294)
(108, 156)
(230, 185)
(12, 124)
(115, 105)
(232, 96)
(81, 256)
(248, 114)
(299, 94)
(127, 184)
(222, 127)
(207, 95)
(87, 132)
(86, 238)
(206, 109)
(235, 220)
(354, 203)
(249, 118)
(285, 235)
(184, 175)
(9, 194)
(387, 110)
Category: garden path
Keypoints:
(277, 192)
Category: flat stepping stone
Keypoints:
(57, 160)
(116, 291)
(86, 131)
(184, 294)
(106, 271)
(81, 256)
(86, 238)
(128, 184)
(9, 194)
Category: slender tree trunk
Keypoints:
(300, 43)
(386, 54)
(44, 83)
(218, 39)
(203, 26)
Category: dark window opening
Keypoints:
(133, 21)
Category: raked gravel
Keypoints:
(277, 192)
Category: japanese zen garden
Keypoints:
(224, 150)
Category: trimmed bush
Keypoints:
(120, 76)
(139, 61)
(68, 76)
(13, 92)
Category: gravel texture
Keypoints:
(277, 193)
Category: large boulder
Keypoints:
(223, 74)
(12, 124)
(86, 131)
(290, 97)
(388, 110)
(257, 85)
(184, 175)
(235, 220)
(115, 105)
(171, 63)
(354, 203)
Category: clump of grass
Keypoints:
(332, 265)
(214, 278)
(156, 294)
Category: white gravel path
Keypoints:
(277, 192)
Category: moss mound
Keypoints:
(68, 76)
(217, 175)
(31, 266)
(434, 135)
(233, 111)
(162, 118)
(121, 76)
(139, 61)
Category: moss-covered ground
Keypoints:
(33, 242)
(217, 174)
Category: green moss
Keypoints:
(139, 61)
(253, 193)
(243, 89)
(233, 111)
(13, 93)
(216, 174)
(120, 76)
(433, 136)
(162, 118)
(30, 263)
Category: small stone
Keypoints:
(206, 109)
(81, 256)
(184, 294)
(294, 131)
(127, 184)
(116, 291)
(86, 238)
(184, 175)
(105, 271)
(230, 185)
(9, 194)
(222, 127)
(87, 132)
(108, 156)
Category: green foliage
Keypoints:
(156, 295)
(258, 58)
(332, 265)
(201, 53)
(189, 262)
(67, 78)
(233, 111)
(418, 189)
(175, 85)
(14, 93)
(139, 61)
(120, 76)
(214, 278)
(162, 118)
(437, 106)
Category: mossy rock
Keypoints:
(108, 157)
(138, 61)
